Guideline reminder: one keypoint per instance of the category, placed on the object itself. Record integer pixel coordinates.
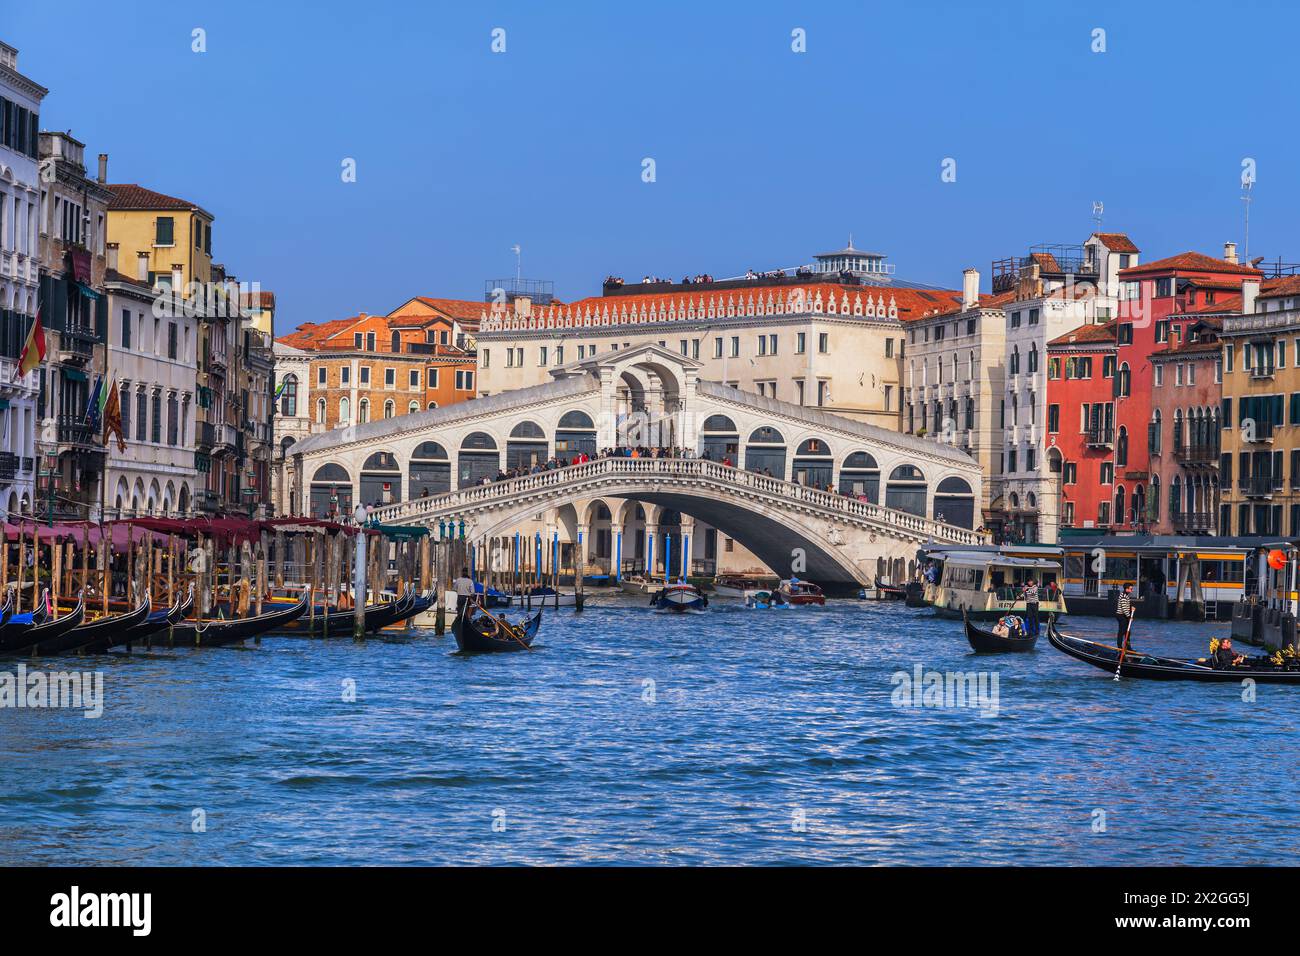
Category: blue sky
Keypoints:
(763, 156)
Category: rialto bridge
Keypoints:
(751, 490)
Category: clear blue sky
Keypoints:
(763, 156)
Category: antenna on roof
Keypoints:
(1247, 181)
(1098, 209)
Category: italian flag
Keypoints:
(33, 349)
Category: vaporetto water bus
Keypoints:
(986, 582)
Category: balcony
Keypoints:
(1261, 371)
(78, 342)
(1193, 523)
(76, 431)
(1258, 432)
(1197, 456)
(206, 435)
(1260, 486)
(1101, 436)
(8, 466)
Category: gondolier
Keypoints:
(1124, 611)
(1030, 595)
(464, 588)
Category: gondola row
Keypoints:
(39, 633)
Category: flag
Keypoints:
(113, 418)
(93, 406)
(280, 388)
(33, 348)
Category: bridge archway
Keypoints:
(720, 439)
(429, 471)
(765, 451)
(906, 490)
(526, 446)
(813, 463)
(860, 477)
(479, 458)
(331, 491)
(954, 500)
(575, 434)
(381, 469)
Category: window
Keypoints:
(1053, 418)
(171, 418)
(1033, 316)
(486, 357)
(345, 411)
(365, 374)
(464, 380)
(171, 340)
(289, 397)
(717, 348)
(1159, 372)
(735, 346)
(155, 433)
(823, 391)
(413, 379)
(541, 356)
(126, 328)
(345, 375)
(125, 393)
(1126, 333)
(395, 342)
(390, 378)
(771, 344)
(762, 345)
(320, 375)
(356, 340)
(1163, 288)
(320, 411)
(1070, 473)
(370, 341)
(431, 377)
(1227, 357)
(363, 411)
(823, 342)
(1053, 368)
(1107, 473)
(389, 408)
(413, 408)
(164, 231)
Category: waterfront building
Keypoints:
(1052, 290)
(1105, 464)
(826, 339)
(1259, 462)
(954, 384)
(255, 365)
(20, 256)
(371, 367)
(154, 362)
(292, 421)
(74, 208)
(259, 310)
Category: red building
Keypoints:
(1103, 385)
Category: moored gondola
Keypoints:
(339, 623)
(986, 642)
(478, 631)
(1107, 657)
(154, 623)
(15, 625)
(47, 633)
(105, 628)
(216, 633)
(679, 598)
(890, 592)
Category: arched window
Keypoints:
(478, 460)
(320, 411)
(765, 452)
(906, 490)
(1125, 380)
(527, 446)
(1033, 359)
(432, 406)
(954, 502)
(345, 411)
(1015, 359)
(1155, 498)
(389, 407)
(289, 397)
(860, 477)
(414, 407)
(1119, 505)
(430, 470)
(1121, 449)
(397, 341)
(363, 411)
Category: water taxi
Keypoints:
(986, 583)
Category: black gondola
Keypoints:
(340, 623)
(914, 594)
(39, 635)
(153, 623)
(105, 628)
(15, 625)
(1137, 664)
(477, 631)
(986, 642)
(890, 592)
(216, 633)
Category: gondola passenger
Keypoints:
(1225, 656)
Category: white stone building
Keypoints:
(20, 199)
(292, 421)
(1052, 291)
(154, 360)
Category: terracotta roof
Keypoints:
(1186, 348)
(463, 310)
(1101, 333)
(1116, 241)
(133, 196)
(260, 300)
(1189, 262)
(1046, 261)
(986, 302)
(1279, 288)
(312, 335)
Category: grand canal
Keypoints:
(630, 737)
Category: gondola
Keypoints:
(215, 633)
(679, 598)
(92, 631)
(494, 598)
(890, 592)
(153, 623)
(1137, 664)
(478, 632)
(15, 625)
(50, 631)
(914, 594)
(986, 642)
(326, 623)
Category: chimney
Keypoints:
(103, 167)
(112, 256)
(1230, 252)
(970, 288)
(178, 277)
(142, 266)
(1249, 291)
(523, 306)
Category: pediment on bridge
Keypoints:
(648, 353)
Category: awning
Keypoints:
(74, 375)
(88, 292)
(399, 531)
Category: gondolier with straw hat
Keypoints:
(1124, 611)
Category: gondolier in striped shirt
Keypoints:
(1030, 594)
(1124, 611)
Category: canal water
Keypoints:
(732, 737)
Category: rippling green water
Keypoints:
(631, 737)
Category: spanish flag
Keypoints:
(33, 349)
